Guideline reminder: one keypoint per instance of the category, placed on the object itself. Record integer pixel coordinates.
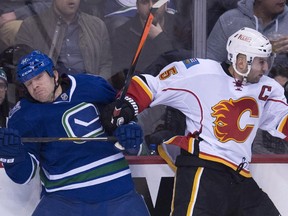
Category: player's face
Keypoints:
(41, 87)
(260, 66)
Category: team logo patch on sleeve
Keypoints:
(190, 62)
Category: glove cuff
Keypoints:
(132, 104)
(18, 157)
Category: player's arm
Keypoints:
(142, 91)
(138, 98)
(275, 113)
(281, 130)
(18, 164)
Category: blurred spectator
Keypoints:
(93, 7)
(4, 103)
(117, 12)
(183, 26)
(266, 16)
(11, 15)
(264, 142)
(280, 74)
(8, 61)
(215, 8)
(75, 41)
(161, 38)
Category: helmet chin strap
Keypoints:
(55, 88)
(243, 75)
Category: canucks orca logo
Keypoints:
(82, 121)
(233, 117)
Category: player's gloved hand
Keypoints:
(127, 113)
(130, 137)
(11, 148)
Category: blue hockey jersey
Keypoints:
(87, 171)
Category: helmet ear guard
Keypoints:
(32, 65)
(250, 43)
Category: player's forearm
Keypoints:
(140, 92)
(21, 172)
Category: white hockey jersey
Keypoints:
(222, 112)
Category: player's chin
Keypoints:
(41, 98)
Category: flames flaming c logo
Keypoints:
(228, 115)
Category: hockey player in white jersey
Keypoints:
(78, 178)
(224, 105)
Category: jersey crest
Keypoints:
(82, 121)
(233, 119)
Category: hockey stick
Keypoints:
(75, 139)
(131, 70)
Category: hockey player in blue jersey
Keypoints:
(78, 178)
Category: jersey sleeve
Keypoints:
(145, 88)
(275, 114)
(140, 92)
(24, 171)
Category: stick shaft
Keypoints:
(73, 139)
(131, 70)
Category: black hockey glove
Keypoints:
(128, 113)
(11, 148)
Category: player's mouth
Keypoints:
(39, 93)
(71, 5)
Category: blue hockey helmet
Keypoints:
(32, 65)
